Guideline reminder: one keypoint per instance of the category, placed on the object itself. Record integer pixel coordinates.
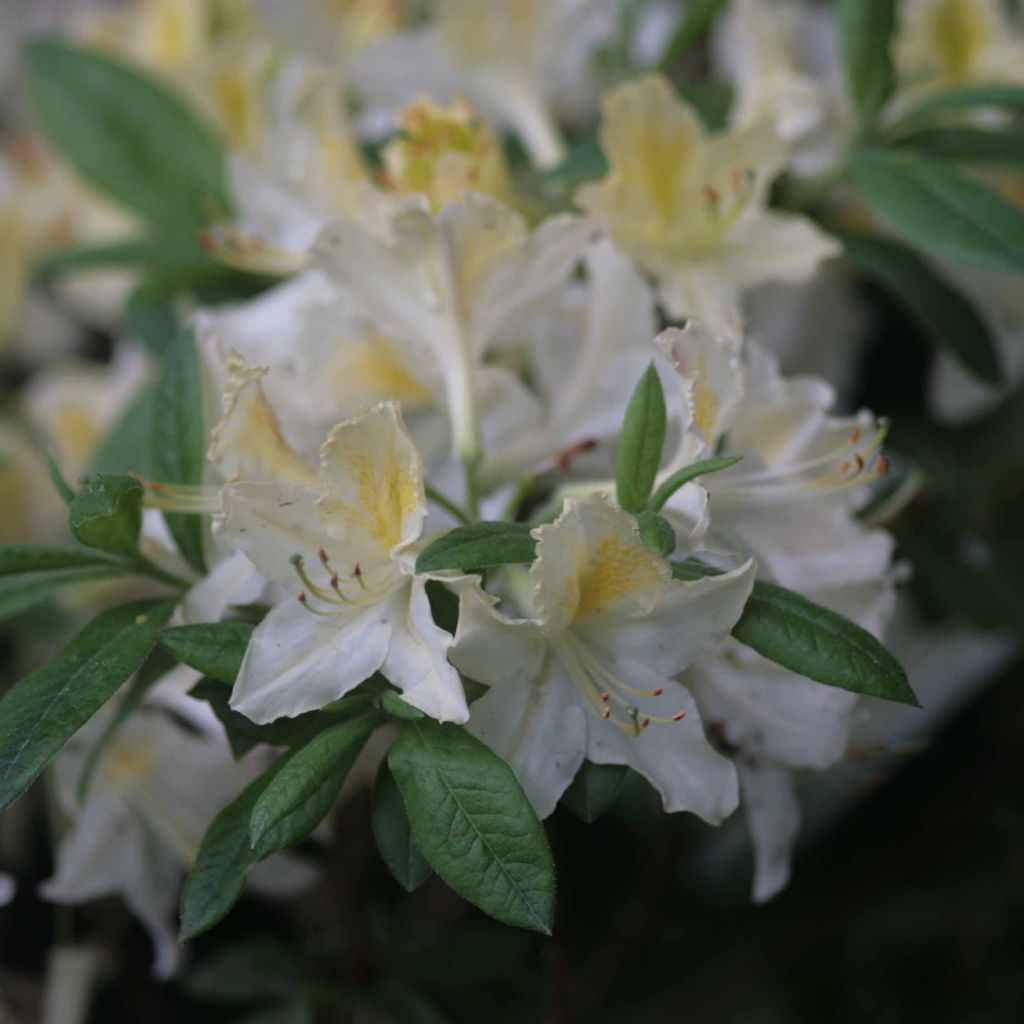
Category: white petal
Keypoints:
(773, 817)
(234, 580)
(297, 661)
(539, 728)
(417, 660)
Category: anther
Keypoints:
(644, 723)
(855, 436)
(302, 597)
(657, 691)
(323, 556)
(607, 713)
(859, 459)
(678, 716)
(882, 465)
(711, 194)
(604, 696)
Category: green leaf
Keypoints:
(820, 644)
(688, 473)
(931, 205)
(179, 441)
(60, 485)
(126, 448)
(712, 100)
(305, 789)
(966, 99)
(21, 591)
(969, 145)
(213, 648)
(656, 533)
(474, 823)
(693, 25)
(42, 712)
(867, 29)
(585, 161)
(16, 559)
(478, 546)
(107, 514)
(222, 863)
(640, 443)
(125, 134)
(594, 790)
(393, 833)
(155, 324)
(392, 704)
(945, 315)
(243, 734)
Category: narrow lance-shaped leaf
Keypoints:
(478, 546)
(694, 23)
(812, 641)
(391, 829)
(124, 133)
(946, 316)
(820, 644)
(42, 712)
(640, 443)
(222, 863)
(867, 29)
(969, 144)
(474, 823)
(214, 648)
(305, 789)
(179, 441)
(683, 476)
(954, 103)
(932, 205)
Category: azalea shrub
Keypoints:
(464, 404)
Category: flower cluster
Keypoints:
(503, 454)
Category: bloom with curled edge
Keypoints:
(691, 209)
(340, 540)
(452, 283)
(589, 674)
(791, 501)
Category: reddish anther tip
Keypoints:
(678, 716)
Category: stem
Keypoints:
(472, 467)
(448, 505)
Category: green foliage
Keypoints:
(393, 834)
(303, 792)
(107, 514)
(694, 23)
(30, 575)
(594, 790)
(640, 443)
(820, 644)
(657, 533)
(946, 316)
(179, 441)
(126, 135)
(954, 103)
(127, 448)
(214, 648)
(478, 546)
(474, 823)
(222, 863)
(969, 144)
(867, 30)
(42, 712)
(683, 476)
(932, 205)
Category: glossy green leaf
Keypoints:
(16, 559)
(478, 546)
(930, 204)
(656, 533)
(594, 790)
(954, 103)
(22, 591)
(867, 28)
(222, 863)
(969, 144)
(179, 441)
(474, 823)
(393, 833)
(42, 712)
(127, 448)
(107, 514)
(127, 135)
(683, 476)
(944, 313)
(693, 25)
(640, 443)
(213, 648)
(305, 789)
(820, 644)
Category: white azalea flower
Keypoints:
(946, 43)
(588, 674)
(520, 61)
(790, 502)
(155, 790)
(450, 284)
(340, 540)
(691, 209)
(783, 58)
